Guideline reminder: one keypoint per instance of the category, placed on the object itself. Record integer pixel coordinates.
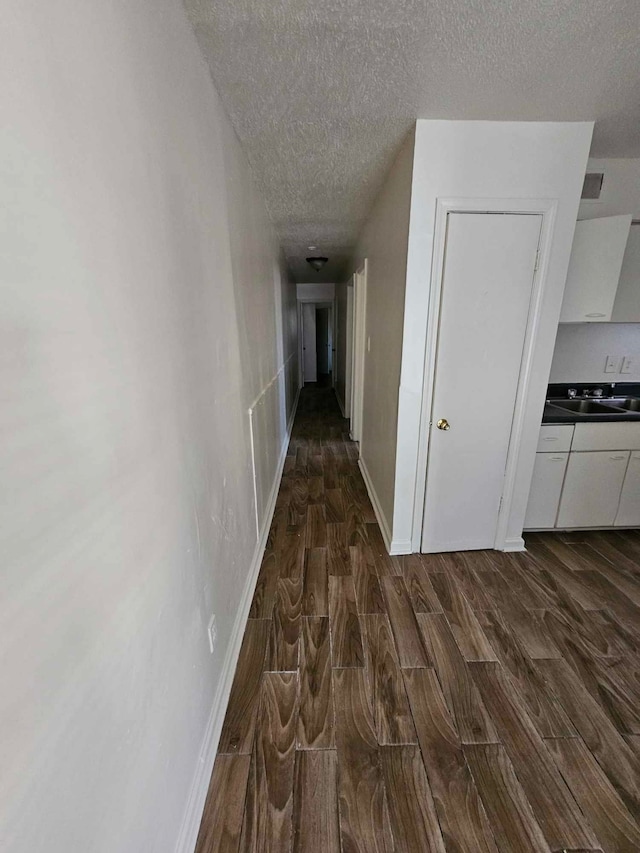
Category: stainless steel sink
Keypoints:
(629, 404)
(585, 407)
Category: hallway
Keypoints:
(475, 701)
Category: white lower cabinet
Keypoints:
(546, 488)
(629, 509)
(592, 487)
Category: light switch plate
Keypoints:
(611, 364)
(627, 364)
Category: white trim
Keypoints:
(524, 380)
(348, 350)
(516, 544)
(271, 381)
(547, 209)
(578, 529)
(200, 785)
(251, 410)
(441, 546)
(359, 349)
(254, 475)
(334, 344)
(340, 404)
(300, 346)
(382, 521)
(400, 546)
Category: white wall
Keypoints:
(384, 243)
(144, 308)
(581, 350)
(462, 159)
(315, 291)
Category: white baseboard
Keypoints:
(382, 521)
(340, 403)
(515, 544)
(400, 546)
(200, 785)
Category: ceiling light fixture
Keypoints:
(317, 263)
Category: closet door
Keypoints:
(488, 275)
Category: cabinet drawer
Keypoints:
(592, 487)
(623, 435)
(555, 438)
(546, 488)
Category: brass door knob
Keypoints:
(443, 423)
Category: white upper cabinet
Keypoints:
(594, 269)
(626, 308)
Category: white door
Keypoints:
(629, 509)
(489, 267)
(348, 365)
(592, 487)
(309, 357)
(546, 488)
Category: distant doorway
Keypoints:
(323, 339)
(318, 352)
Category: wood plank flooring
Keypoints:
(458, 703)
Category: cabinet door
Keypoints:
(592, 488)
(594, 269)
(546, 488)
(629, 509)
(626, 308)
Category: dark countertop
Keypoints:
(553, 415)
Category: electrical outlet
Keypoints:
(369, 344)
(212, 632)
(611, 364)
(627, 364)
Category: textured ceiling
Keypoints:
(321, 94)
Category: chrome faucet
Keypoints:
(572, 393)
(596, 392)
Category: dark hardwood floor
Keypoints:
(463, 702)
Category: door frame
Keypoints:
(348, 350)
(359, 338)
(546, 208)
(331, 303)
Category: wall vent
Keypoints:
(592, 186)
